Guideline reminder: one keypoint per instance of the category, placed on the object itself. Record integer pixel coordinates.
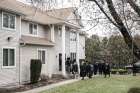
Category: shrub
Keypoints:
(35, 68)
(114, 71)
(122, 71)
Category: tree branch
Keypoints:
(127, 36)
(134, 6)
(101, 8)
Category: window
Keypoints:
(33, 29)
(73, 36)
(9, 21)
(8, 57)
(42, 56)
(72, 56)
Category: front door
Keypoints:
(60, 62)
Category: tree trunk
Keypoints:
(120, 25)
(127, 36)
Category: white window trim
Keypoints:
(29, 30)
(10, 29)
(45, 54)
(6, 67)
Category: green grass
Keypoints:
(115, 84)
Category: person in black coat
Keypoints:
(83, 70)
(75, 69)
(95, 68)
(106, 69)
(100, 68)
(89, 70)
(68, 65)
(134, 69)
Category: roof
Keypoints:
(29, 40)
(33, 14)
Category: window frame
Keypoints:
(6, 67)
(33, 29)
(40, 49)
(5, 28)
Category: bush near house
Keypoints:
(122, 71)
(35, 70)
(114, 71)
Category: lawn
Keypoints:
(115, 84)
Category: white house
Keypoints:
(27, 33)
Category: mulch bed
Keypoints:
(32, 86)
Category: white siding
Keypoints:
(8, 76)
(81, 47)
(43, 31)
(58, 49)
(72, 43)
(67, 44)
(30, 52)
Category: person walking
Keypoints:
(83, 70)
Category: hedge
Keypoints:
(35, 68)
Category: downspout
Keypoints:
(19, 51)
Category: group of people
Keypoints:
(72, 67)
(88, 69)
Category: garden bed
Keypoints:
(32, 86)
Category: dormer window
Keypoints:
(9, 21)
(33, 29)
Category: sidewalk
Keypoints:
(40, 89)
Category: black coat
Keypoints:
(106, 69)
(95, 68)
(89, 69)
(83, 70)
(75, 68)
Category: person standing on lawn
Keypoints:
(89, 70)
(83, 70)
(106, 69)
(95, 68)
(134, 69)
(100, 68)
(75, 69)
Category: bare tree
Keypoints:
(116, 20)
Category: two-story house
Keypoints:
(27, 33)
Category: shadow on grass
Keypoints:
(134, 90)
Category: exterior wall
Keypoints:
(43, 31)
(70, 46)
(31, 52)
(58, 49)
(73, 42)
(9, 75)
(81, 47)
(24, 54)
(67, 44)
